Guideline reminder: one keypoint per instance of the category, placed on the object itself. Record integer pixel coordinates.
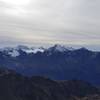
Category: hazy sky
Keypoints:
(37, 22)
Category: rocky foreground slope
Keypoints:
(17, 87)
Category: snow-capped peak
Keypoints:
(29, 49)
(14, 53)
(38, 50)
(60, 48)
(33, 50)
(10, 51)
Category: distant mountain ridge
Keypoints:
(15, 50)
(57, 62)
(56, 48)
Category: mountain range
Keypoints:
(57, 62)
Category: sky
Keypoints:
(46, 22)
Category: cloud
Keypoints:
(51, 21)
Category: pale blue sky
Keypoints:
(43, 22)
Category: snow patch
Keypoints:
(14, 53)
(60, 48)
